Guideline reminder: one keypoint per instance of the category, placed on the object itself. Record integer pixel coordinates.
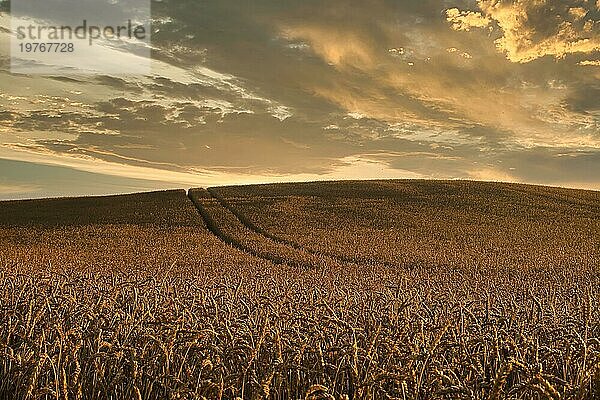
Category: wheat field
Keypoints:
(339, 290)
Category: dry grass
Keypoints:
(160, 308)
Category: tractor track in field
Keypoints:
(252, 226)
(227, 238)
(213, 227)
(285, 242)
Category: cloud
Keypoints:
(454, 50)
(337, 47)
(349, 168)
(301, 89)
(589, 63)
(466, 20)
(531, 29)
(585, 100)
(8, 189)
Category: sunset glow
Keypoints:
(271, 91)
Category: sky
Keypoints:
(295, 90)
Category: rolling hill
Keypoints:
(329, 290)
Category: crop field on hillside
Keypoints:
(420, 222)
(356, 290)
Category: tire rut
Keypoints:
(257, 229)
(213, 227)
(222, 223)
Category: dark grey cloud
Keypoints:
(585, 100)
